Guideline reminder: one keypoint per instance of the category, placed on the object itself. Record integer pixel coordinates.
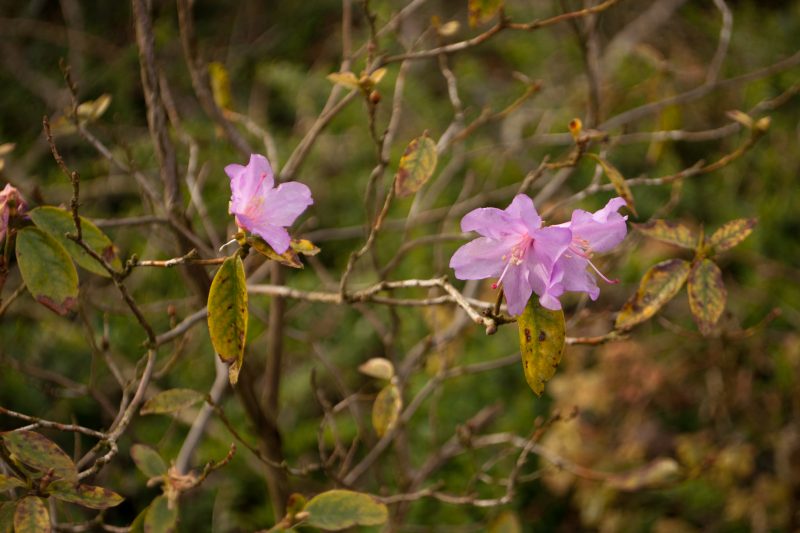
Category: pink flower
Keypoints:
(9, 198)
(261, 208)
(516, 249)
(528, 258)
(591, 232)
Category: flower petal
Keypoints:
(547, 284)
(602, 230)
(489, 222)
(517, 289)
(284, 204)
(479, 259)
(548, 245)
(276, 236)
(576, 277)
(522, 209)
(249, 183)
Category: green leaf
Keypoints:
(31, 516)
(416, 165)
(731, 234)
(340, 509)
(160, 518)
(659, 472)
(227, 314)
(8, 483)
(670, 232)
(288, 258)
(148, 461)
(542, 338)
(618, 181)
(7, 517)
(172, 400)
(386, 409)
(482, 11)
(658, 286)
(40, 453)
(85, 495)
(378, 367)
(47, 270)
(506, 522)
(58, 222)
(707, 294)
(137, 526)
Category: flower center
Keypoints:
(581, 248)
(516, 257)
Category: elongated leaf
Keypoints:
(288, 258)
(658, 473)
(7, 516)
(670, 232)
(346, 79)
(304, 246)
(93, 109)
(227, 314)
(416, 165)
(58, 222)
(40, 453)
(506, 522)
(47, 270)
(618, 181)
(172, 400)
(731, 234)
(482, 11)
(148, 460)
(8, 482)
(378, 367)
(220, 84)
(31, 516)
(658, 286)
(707, 294)
(85, 495)
(340, 509)
(386, 409)
(542, 338)
(160, 518)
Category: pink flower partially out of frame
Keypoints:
(9, 197)
(261, 208)
(528, 258)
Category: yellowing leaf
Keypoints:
(482, 11)
(304, 246)
(416, 165)
(660, 472)
(47, 270)
(31, 516)
(658, 286)
(706, 294)
(160, 517)
(85, 495)
(346, 79)
(40, 453)
(731, 234)
(148, 461)
(58, 222)
(288, 258)
(617, 180)
(386, 409)
(376, 76)
(542, 338)
(448, 29)
(8, 483)
(227, 314)
(670, 232)
(340, 509)
(378, 367)
(94, 109)
(220, 84)
(170, 401)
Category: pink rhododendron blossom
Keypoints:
(528, 258)
(9, 197)
(591, 232)
(261, 208)
(516, 249)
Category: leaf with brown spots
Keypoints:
(416, 165)
(8, 483)
(172, 400)
(730, 234)
(227, 314)
(707, 294)
(85, 495)
(618, 181)
(31, 516)
(40, 453)
(47, 270)
(669, 232)
(542, 338)
(288, 258)
(658, 286)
